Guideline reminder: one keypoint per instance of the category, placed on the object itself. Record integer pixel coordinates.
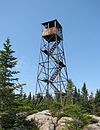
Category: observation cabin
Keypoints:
(52, 31)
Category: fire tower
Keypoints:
(52, 74)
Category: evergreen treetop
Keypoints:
(7, 62)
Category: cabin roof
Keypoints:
(51, 22)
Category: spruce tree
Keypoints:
(91, 103)
(8, 84)
(24, 96)
(84, 92)
(75, 96)
(69, 92)
(79, 97)
(84, 98)
(29, 97)
(97, 102)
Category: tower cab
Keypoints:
(52, 31)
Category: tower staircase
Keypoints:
(57, 61)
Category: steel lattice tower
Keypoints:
(52, 74)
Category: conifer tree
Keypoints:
(91, 103)
(24, 96)
(79, 97)
(75, 96)
(84, 98)
(8, 83)
(29, 97)
(97, 102)
(21, 93)
(84, 92)
(69, 92)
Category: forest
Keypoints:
(15, 107)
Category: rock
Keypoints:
(30, 117)
(55, 120)
(95, 126)
(45, 112)
(47, 126)
(41, 117)
(95, 117)
(63, 119)
(45, 121)
(61, 122)
(59, 127)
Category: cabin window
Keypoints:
(51, 24)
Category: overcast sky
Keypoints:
(21, 21)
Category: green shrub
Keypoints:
(22, 124)
(41, 107)
(32, 112)
(24, 108)
(79, 116)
